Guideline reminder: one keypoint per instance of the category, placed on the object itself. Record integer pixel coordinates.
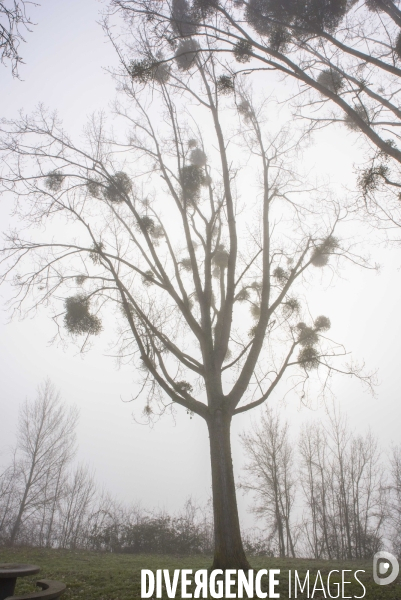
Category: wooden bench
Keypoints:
(49, 591)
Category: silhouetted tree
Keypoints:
(270, 477)
(46, 444)
(344, 488)
(199, 257)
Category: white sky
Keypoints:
(65, 59)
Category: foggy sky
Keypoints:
(66, 56)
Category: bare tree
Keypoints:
(76, 508)
(344, 489)
(201, 269)
(270, 477)
(8, 494)
(46, 443)
(316, 485)
(13, 19)
(395, 498)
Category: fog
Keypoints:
(66, 57)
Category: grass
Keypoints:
(99, 576)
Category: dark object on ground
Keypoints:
(49, 591)
(8, 576)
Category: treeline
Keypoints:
(330, 494)
(47, 502)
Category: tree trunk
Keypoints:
(21, 510)
(228, 549)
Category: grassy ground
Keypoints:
(96, 576)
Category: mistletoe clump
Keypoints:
(157, 232)
(397, 46)
(146, 223)
(225, 85)
(370, 179)
(127, 309)
(321, 254)
(182, 18)
(54, 181)
(160, 69)
(186, 264)
(198, 157)
(147, 410)
(309, 358)
(299, 18)
(145, 70)
(192, 178)
(245, 109)
(203, 9)
(78, 319)
(242, 296)
(80, 279)
(255, 311)
(243, 51)
(186, 54)
(322, 323)
(147, 278)
(118, 188)
(332, 80)
(183, 387)
(307, 336)
(96, 253)
(374, 5)
(362, 113)
(279, 38)
(94, 188)
(220, 258)
(140, 70)
(291, 305)
(280, 274)
(252, 331)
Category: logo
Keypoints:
(385, 568)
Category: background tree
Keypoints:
(270, 477)
(45, 446)
(8, 496)
(13, 19)
(206, 303)
(344, 488)
(316, 475)
(76, 507)
(395, 498)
